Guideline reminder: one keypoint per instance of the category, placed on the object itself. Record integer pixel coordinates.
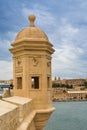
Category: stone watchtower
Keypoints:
(32, 65)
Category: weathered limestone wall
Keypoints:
(24, 105)
(9, 117)
(17, 113)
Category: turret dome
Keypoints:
(31, 32)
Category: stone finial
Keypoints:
(32, 19)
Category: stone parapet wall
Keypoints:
(9, 117)
(18, 113)
(28, 122)
(24, 105)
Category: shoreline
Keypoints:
(70, 100)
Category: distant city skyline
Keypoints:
(65, 24)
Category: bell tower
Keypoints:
(32, 65)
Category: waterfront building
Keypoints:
(62, 94)
(77, 95)
(69, 89)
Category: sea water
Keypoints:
(68, 116)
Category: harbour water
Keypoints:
(68, 116)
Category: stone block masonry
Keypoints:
(9, 117)
(17, 113)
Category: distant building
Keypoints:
(7, 81)
(63, 91)
(78, 95)
(74, 82)
(63, 94)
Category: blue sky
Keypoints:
(64, 22)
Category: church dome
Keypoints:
(31, 32)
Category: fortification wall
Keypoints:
(17, 113)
